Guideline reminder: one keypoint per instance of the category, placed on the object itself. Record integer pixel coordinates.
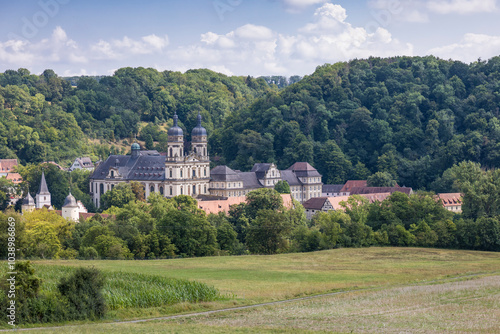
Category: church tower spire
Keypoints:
(175, 141)
(199, 139)
(43, 195)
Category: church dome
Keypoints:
(199, 130)
(70, 201)
(175, 130)
(135, 146)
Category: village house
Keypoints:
(82, 163)
(451, 201)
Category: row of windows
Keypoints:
(152, 189)
(228, 185)
(193, 173)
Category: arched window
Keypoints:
(194, 173)
(112, 173)
(205, 189)
(170, 172)
(101, 188)
(181, 172)
(161, 190)
(181, 191)
(170, 155)
(171, 191)
(204, 172)
(112, 186)
(194, 189)
(152, 189)
(205, 152)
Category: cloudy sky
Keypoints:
(238, 37)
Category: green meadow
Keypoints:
(252, 279)
(137, 289)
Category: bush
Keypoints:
(68, 254)
(83, 289)
(88, 253)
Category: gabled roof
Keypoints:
(335, 202)
(6, 165)
(332, 188)
(315, 203)
(353, 183)
(14, 177)
(43, 190)
(450, 199)
(260, 169)
(377, 197)
(85, 162)
(304, 169)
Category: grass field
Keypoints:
(265, 278)
(253, 279)
(469, 305)
(129, 290)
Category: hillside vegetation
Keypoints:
(412, 117)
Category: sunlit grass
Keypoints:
(133, 290)
(265, 278)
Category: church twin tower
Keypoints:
(187, 174)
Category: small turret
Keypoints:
(28, 203)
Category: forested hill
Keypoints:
(412, 117)
(45, 118)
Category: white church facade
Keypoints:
(177, 173)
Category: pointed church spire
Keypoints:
(44, 190)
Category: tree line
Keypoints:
(410, 117)
(176, 227)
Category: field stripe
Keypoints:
(237, 308)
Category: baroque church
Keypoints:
(188, 173)
(177, 173)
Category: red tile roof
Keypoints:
(6, 165)
(353, 183)
(16, 178)
(450, 199)
(220, 205)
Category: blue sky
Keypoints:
(238, 37)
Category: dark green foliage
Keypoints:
(380, 179)
(282, 187)
(83, 290)
(267, 233)
(119, 196)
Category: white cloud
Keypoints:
(295, 6)
(126, 47)
(461, 6)
(470, 48)
(56, 49)
(257, 50)
(253, 32)
(335, 12)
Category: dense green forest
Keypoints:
(411, 117)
